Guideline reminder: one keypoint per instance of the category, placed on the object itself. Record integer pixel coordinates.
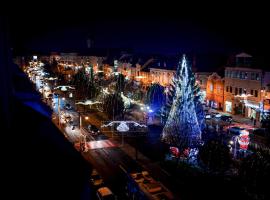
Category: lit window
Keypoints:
(211, 87)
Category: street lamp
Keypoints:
(62, 88)
(58, 109)
(234, 141)
(262, 101)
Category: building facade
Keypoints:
(202, 79)
(244, 89)
(215, 91)
(163, 77)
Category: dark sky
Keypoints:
(163, 29)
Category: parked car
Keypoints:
(260, 132)
(226, 118)
(216, 115)
(93, 129)
(96, 179)
(235, 130)
(104, 193)
(68, 106)
(207, 116)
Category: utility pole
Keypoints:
(58, 110)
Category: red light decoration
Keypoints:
(175, 151)
(244, 139)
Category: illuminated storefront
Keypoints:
(228, 106)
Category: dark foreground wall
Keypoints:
(37, 161)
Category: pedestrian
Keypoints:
(254, 122)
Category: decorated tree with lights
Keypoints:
(169, 94)
(155, 96)
(198, 100)
(114, 106)
(182, 127)
(120, 82)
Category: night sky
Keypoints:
(146, 29)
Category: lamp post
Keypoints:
(83, 136)
(59, 109)
(62, 88)
(234, 139)
(262, 101)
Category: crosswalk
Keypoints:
(97, 144)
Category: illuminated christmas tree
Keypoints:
(182, 127)
(198, 102)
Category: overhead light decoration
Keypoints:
(123, 125)
(139, 77)
(88, 102)
(127, 101)
(105, 91)
(64, 88)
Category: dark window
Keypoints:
(230, 89)
(237, 74)
(252, 76)
(257, 76)
(236, 91)
(246, 75)
(242, 75)
(240, 91)
(245, 91)
(234, 74)
(256, 93)
(251, 92)
(227, 89)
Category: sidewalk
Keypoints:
(237, 118)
